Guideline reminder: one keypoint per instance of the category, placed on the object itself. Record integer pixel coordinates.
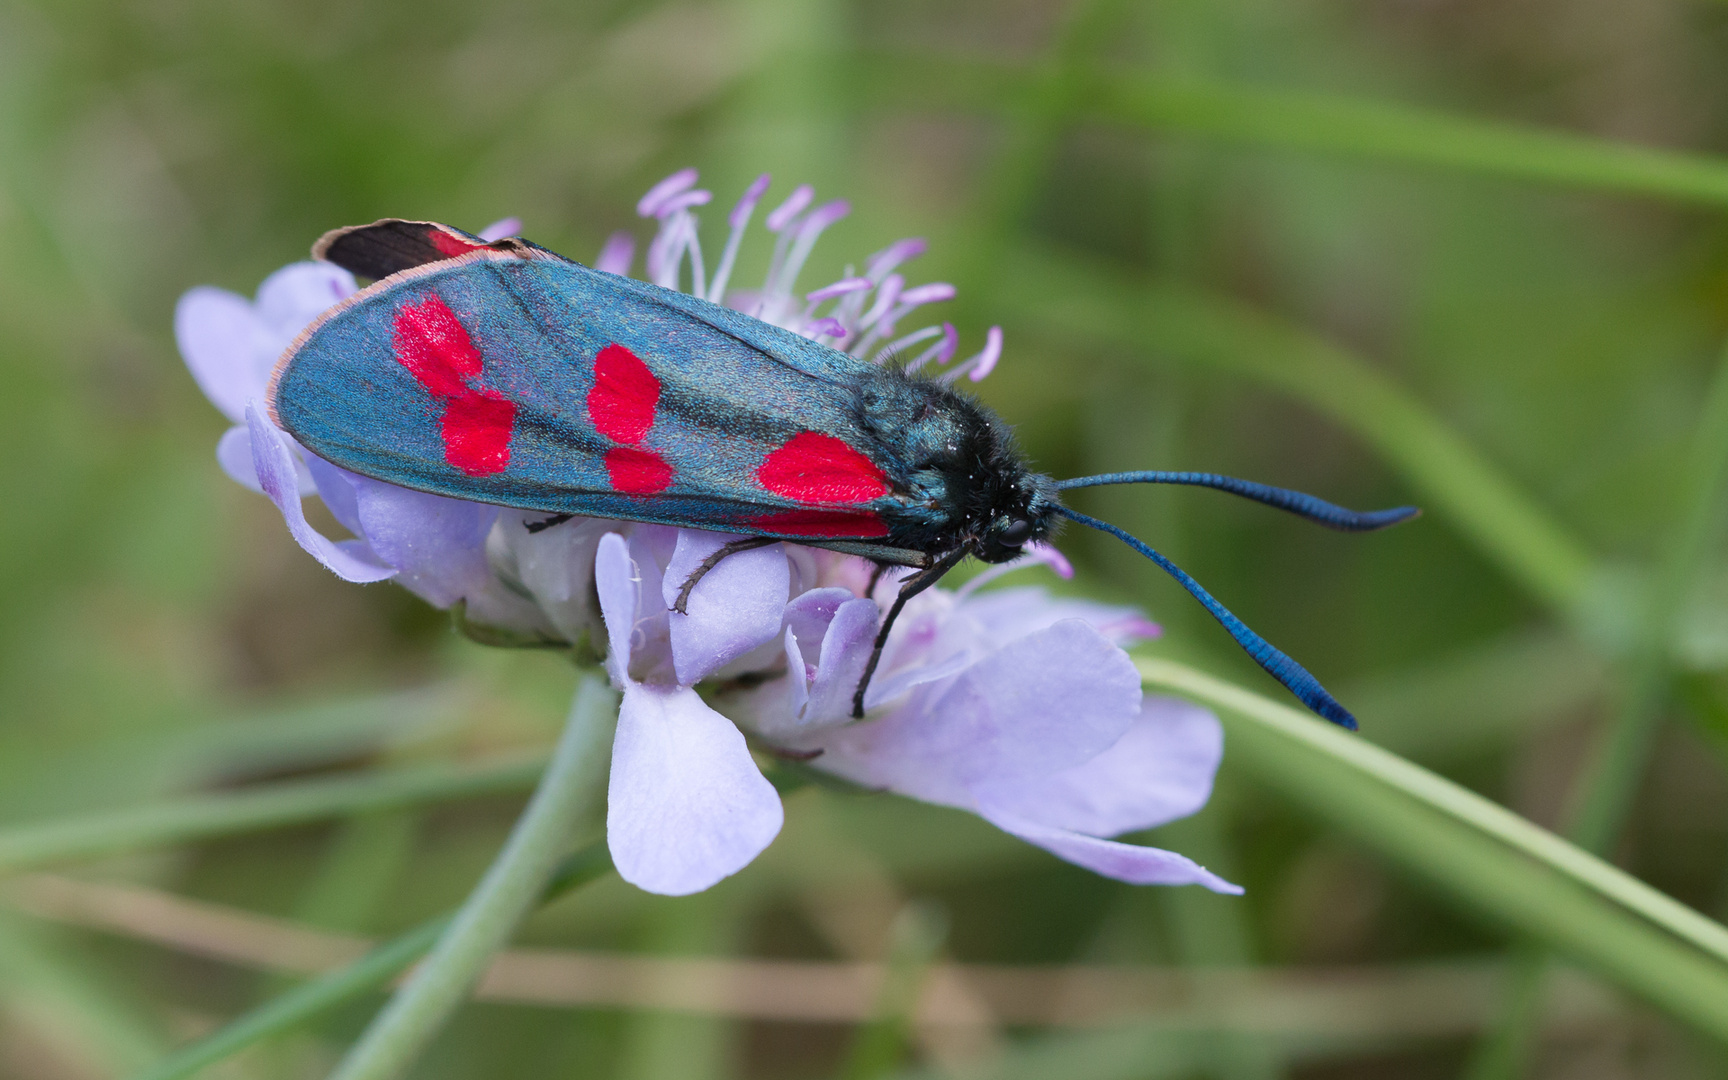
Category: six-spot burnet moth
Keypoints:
(502, 373)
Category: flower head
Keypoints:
(1008, 703)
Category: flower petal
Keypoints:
(686, 805)
(845, 650)
(809, 614)
(615, 584)
(1010, 613)
(555, 565)
(501, 228)
(1125, 862)
(295, 295)
(1048, 701)
(1159, 771)
(733, 609)
(234, 454)
(274, 464)
(797, 684)
(651, 549)
(219, 337)
(438, 545)
(335, 487)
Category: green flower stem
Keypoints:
(1619, 762)
(265, 807)
(298, 1006)
(1329, 124)
(1074, 298)
(490, 915)
(1518, 873)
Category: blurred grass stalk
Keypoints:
(1327, 124)
(914, 941)
(1063, 293)
(512, 885)
(1606, 790)
(1516, 873)
(298, 1006)
(267, 806)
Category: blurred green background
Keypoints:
(1329, 244)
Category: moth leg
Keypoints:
(542, 526)
(876, 578)
(909, 588)
(749, 543)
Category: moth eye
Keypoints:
(1016, 533)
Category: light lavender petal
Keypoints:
(1125, 862)
(501, 228)
(845, 651)
(614, 582)
(1159, 771)
(797, 684)
(733, 609)
(438, 545)
(1050, 700)
(274, 465)
(234, 454)
(295, 295)
(616, 256)
(336, 488)
(219, 336)
(1014, 612)
(686, 805)
(808, 616)
(651, 549)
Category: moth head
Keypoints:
(1028, 515)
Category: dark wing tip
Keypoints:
(391, 245)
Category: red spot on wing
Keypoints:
(624, 396)
(476, 433)
(822, 523)
(435, 347)
(432, 344)
(451, 245)
(635, 471)
(818, 468)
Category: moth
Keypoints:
(502, 373)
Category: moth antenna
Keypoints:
(1316, 510)
(1294, 676)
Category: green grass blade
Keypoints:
(1065, 294)
(515, 880)
(1332, 124)
(310, 999)
(43, 980)
(1501, 864)
(299, 1005)
(264, 807)
(1308, 122)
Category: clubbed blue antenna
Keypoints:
(1316, 510)
(1280, 667)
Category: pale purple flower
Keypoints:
(1009, 703)
(1012, 704)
